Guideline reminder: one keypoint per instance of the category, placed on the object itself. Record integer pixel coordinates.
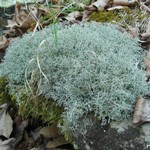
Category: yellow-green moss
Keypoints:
(38, 107)
(33, 106)
(4, 95)
(104, 16)
(46, 110)
(125, 16)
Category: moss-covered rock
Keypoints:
(88, 68)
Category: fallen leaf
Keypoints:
(138, 110)
(98, 5)
(147, 63)
(11, 24)
(23, 18)
(95, 6)
(145, 37)
(5, 123)
(18, 131)
(124, 2)
(115, 8)
(133, 32)
(4, 42)
(81, 5)
(146, 111)
(101, 4)
(56, 142)
(141, 111)
(50, 131)
(72, 17)
(7, 144)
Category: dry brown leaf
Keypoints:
(50, 131)
(4, 42)
(124, 2)
(20, 15)
(145, 37)
(115, 8)
(81, 5)
(22, 18)
(141, 111)
(72, 17)
(133, 32)
(11, 24)
(57, 142)
(25, 20)
(147, 63)
(7, 144)
(138, 110)
(44, 10)
(18, 131)
(101, 4)
(95, 6)
(5, 123)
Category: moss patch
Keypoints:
(105, 16)
(126, 16)
(38, 107)
(4, 95)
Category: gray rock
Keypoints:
(113, 136)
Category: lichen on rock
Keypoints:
(88, 68)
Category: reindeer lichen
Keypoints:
(88, 68)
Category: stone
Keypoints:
(113, 136)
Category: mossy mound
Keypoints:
(88, 68)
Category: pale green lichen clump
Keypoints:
(86, 68)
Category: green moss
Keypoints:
(32, 106)
(4, 95)
(125, 16)
(104, 16)
(38, 107)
